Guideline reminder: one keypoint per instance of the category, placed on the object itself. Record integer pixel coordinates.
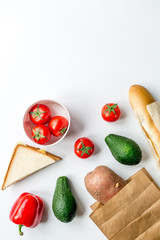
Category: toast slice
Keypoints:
(26, 160)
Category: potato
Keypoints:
(103, 183)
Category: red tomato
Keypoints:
(40, 114)
(83, 147)
(58, 125)
(41, 134)
(110, 112)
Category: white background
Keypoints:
(84, 54)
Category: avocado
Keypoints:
(64, 204)
(124, 149)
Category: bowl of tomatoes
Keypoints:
(46, 122)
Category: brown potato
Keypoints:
(103, 183)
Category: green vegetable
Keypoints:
(124, 149)
(64, 204)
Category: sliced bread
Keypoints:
(26, 160)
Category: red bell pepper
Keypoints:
(27, 211)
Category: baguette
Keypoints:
(142, 102)
(26, 160)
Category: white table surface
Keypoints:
(83, 54)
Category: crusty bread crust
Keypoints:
(139, 98)
(54, 157)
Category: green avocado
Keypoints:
(64, 204)
(124, 149)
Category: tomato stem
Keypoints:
(37, 113)
(111, 108)
(62, 131)
(38, 135)
(84, 149)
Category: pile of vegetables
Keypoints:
(102, 183)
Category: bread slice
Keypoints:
(140, 98)
(26, 160)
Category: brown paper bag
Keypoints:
(134, 213)
(96, 205)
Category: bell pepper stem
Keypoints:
(20, 232)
